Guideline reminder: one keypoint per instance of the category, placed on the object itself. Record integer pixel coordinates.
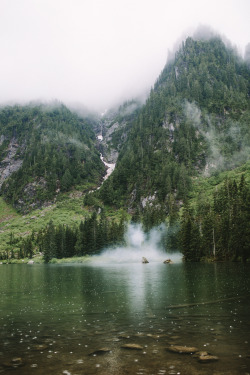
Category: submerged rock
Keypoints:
(198, 354)
(182, 349)
(100, 351)
(39, 347)
(144, 260)
(156, 336)
(14, 363)
(132, 346)
(206, 358)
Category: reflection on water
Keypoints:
(54, 316)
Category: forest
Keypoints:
(57, 151)
(196, 118)
(194, 126)
(219, 229)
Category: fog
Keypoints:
(101, 52)
(138, 245)
(232, 133)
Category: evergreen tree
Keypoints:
(49, 243)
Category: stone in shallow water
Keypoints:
(207, 358)
(182, 349)
(155, 336)
(40, 347)
(100, 351)
(202, 353)
(13, 363)
(132, 346)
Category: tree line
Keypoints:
(220, 229)
(62, 241)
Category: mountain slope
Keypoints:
(43, 151)
(195, 120)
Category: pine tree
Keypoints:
(49, 243)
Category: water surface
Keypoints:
(54, 316)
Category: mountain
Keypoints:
(45, 150)
(194, 122)
(181, 158)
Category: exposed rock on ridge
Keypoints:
(9, 164)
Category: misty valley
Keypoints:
(125, 236)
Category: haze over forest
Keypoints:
(100, 53)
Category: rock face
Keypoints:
(144, 260)
(31, 193)
(148, 200)
(10, 163)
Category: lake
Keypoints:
(75, 319)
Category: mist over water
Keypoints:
(139, 244)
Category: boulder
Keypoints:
(168, 261)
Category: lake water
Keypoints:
(52, 317)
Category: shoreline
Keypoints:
(86, 258)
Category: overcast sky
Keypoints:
(99, 52)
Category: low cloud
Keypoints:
(99, 53)
(228, 148)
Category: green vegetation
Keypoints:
(196, 116)
(69, 210)
(218, 228)
(183, 159)
(65, 241)
(55, 149)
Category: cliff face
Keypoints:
(11, 162)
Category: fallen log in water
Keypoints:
(204, 303)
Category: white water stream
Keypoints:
(110, 166)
